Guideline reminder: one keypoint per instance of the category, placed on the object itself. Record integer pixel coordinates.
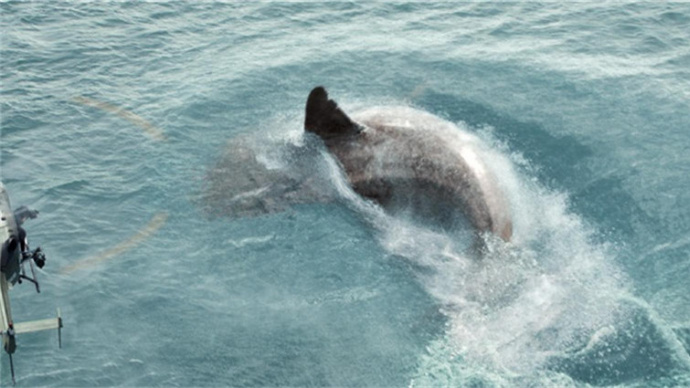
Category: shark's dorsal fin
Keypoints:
(325, 118)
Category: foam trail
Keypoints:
(522, 303)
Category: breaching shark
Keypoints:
(403, 158)
(406, 160)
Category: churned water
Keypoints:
(114, 113)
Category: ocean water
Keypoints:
(113, 114)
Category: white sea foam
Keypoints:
(524, 301)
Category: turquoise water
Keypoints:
(585, 109)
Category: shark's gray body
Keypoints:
(406, 159)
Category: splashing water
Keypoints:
(520, 308)
(548, 302)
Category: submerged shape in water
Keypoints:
(244, 184)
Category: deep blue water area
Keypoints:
(113, 113)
